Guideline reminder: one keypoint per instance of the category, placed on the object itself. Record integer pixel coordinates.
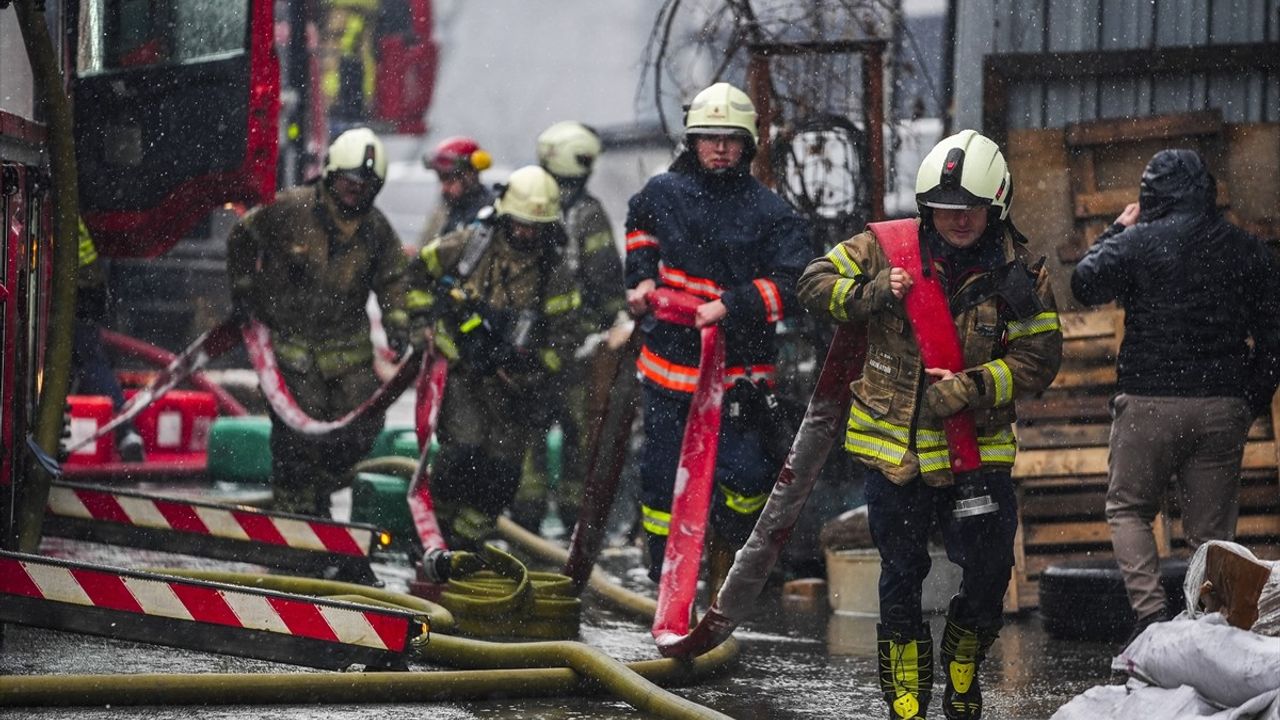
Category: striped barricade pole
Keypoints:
(225, 532)
(198, 615)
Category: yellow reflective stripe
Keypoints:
(551, 359)
(839, 295)
(998, 449)
(430, 254)
(1003, 380)
(906, 675)
(655, 521)
(925, 437)
(88, 252)
(844, 262)
(1044, 322)
(471, 323)
(418, 300)
(561, 304)
(444, 342)
(743, 504)
(874, 447)
(596, 242)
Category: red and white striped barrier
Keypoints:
(211, 616)
(209, 530)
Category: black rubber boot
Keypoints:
(963, 649)
(906, 670)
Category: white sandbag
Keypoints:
(1268, 622)
(1225, 665)
(1138, 700)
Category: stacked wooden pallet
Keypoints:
(1061, 468)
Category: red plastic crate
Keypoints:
(88, 413)
(177, 425)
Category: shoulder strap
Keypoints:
(475, 248)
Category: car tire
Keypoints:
(1086, 599)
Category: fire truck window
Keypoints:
(122, 34)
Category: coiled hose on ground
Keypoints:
(531, 669)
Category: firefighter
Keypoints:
(458, 162)
(503, 306)
(568, 151)
(707, 228)
(1004, 314)
(91, 369)
(304, 266)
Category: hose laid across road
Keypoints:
(538, 669)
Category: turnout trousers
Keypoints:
(743, 477)
(902, 519)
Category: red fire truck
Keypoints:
(181, 107)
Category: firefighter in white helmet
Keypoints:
(568, 150)
(304, 266)
(503, 307)
(709, 229)
(1004, 315)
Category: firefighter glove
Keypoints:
(945, 398)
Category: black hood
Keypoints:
(1176, 181)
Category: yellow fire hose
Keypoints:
(537, 669)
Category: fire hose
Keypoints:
(691, 497)
(538, 669)
(257, 340)
(932, 324)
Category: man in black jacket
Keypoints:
(1195, 289)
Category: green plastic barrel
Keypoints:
(380, 500)
(240, 449)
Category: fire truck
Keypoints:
(176, 108)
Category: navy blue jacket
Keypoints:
(1193, 287)
(725, 236)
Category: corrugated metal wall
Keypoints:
(1030, 26)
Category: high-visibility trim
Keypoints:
(1003, 378)
(1044, 322)
(997, 449)
(664, 373)
(743, 504)
(417, 300)
(551, 359)
(655, 522)
(684, 378)
(88, 251)
(874, 446)
(430, 255)
(561, 304)
(597, 242)
(681, 280)
(471, 323)
(845, 265)
(839, 296)
(860, 421)
(639, 240)
(772, 299)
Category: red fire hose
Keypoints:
(935, 331)
(828, 408)
(430, 391)
(159, 357)
(691, 500)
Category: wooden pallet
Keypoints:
(1061, 470)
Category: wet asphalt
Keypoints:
(797, 661)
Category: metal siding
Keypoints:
(1072, 26)
(1125, 25)
(975, 23)
(1060, 25)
